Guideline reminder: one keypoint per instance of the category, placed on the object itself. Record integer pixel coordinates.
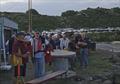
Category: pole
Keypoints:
(0, 41)
(30, 15)
(3, 42)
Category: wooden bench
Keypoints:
(46, 77)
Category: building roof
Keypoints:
(8, 23)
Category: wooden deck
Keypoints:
(46, 77)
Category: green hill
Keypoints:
(97, 17)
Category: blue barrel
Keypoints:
(61, 64)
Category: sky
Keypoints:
(55, 7)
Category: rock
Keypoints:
(107, 82)
(89, 78)
(96, 77)
(83, 82)
(116, 59)
(116, 42)
(94, 82)
(79, 78)
(100, 76)
(107, 75)
(116, 67)
(98, 81)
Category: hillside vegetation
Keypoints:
(89, 18)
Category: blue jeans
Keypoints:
(84, 56)
(39, 64)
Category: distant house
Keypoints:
(9, 27)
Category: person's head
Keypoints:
(64, 36)
(36, 35)
(72, 40)
(28, 37)
(59, 35)
(50, 36)
(53, 37)
(20, 36)
(83, 35)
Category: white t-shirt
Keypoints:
(64, 43)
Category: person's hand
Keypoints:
(65, 49)
(26, 54)
(77, 47)
(84, 44)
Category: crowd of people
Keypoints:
(38, 47)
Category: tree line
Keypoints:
(89, 18)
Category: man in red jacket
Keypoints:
(39, 56)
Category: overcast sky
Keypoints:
(55, 7)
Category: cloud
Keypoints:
(8, 1)
(59, 1)
(56, 7)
